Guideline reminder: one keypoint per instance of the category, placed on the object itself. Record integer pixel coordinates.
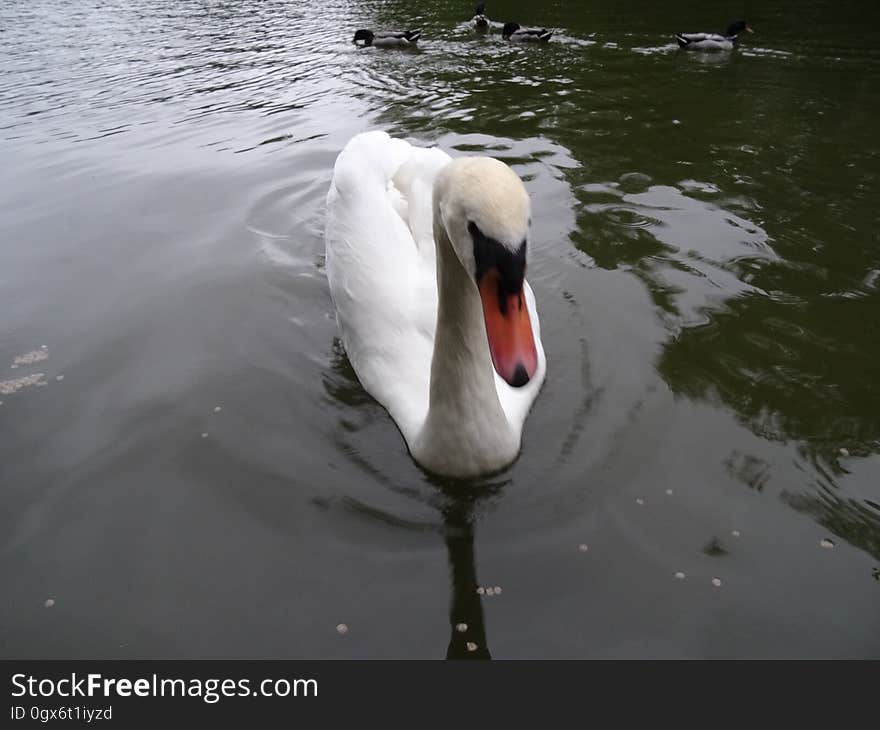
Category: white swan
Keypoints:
(426, 261)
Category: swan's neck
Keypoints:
(466, 427)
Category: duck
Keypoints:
(514, 33)
(388, 38)
(426, 259)
(713, 41)
(480, 22)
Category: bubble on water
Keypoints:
(497, 590)
(490, 591)
(583, 547)
(14, 366)
(59, 378)
(461, 628)
(481, 590)
(826, 543)
(204, 434)
(669, 492)
(640, 502)
(471, 646)
(735, 533)
(49, 602)
(844, 452)
(341, 628)
(716, 582)
(634, 182)
(217, 409)
(680, 575)
(43, 347)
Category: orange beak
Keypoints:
(509, 330)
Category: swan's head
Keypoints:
(509, 29)
(485, 210)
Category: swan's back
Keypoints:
(381, 268)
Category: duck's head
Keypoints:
(509, 29)
(485, 210)
(364, 35)
(737, 27)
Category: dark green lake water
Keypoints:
(706, 263)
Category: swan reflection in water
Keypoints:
(467, 638)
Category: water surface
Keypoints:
(188, 465)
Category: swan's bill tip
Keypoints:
(520, 376)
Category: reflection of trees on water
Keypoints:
(748, 469)
(806, 371)
(856, 523)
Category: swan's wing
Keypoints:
(414, 182)
(382, 278)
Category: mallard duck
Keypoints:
(480, 21)
(514, 33)
(713, 41)
(426, 262)
(387, 38)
